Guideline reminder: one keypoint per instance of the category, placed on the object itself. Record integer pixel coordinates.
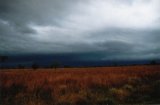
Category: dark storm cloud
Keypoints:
(21, 13)
(117, 29)
(15, 17)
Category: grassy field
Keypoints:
(81, 86)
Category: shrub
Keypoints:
(119, 94)
(63, 103)
(35, 66)
(156, 90)
(82, 101)
(97, 88)
(128, 87)
(43, 94)
(10, 94)
(106, 101)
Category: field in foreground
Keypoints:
(81, 86)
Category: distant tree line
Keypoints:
(54, 64)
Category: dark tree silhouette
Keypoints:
(3, 59)
(20, 66)
(153, 62)
(35, 66)
(55, 65)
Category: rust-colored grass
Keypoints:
(77, 85)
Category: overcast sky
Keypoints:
(113, 29)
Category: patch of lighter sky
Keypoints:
(99, 14)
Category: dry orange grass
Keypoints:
(80, 77)
(64, 83)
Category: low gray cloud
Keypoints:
(117, 29)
